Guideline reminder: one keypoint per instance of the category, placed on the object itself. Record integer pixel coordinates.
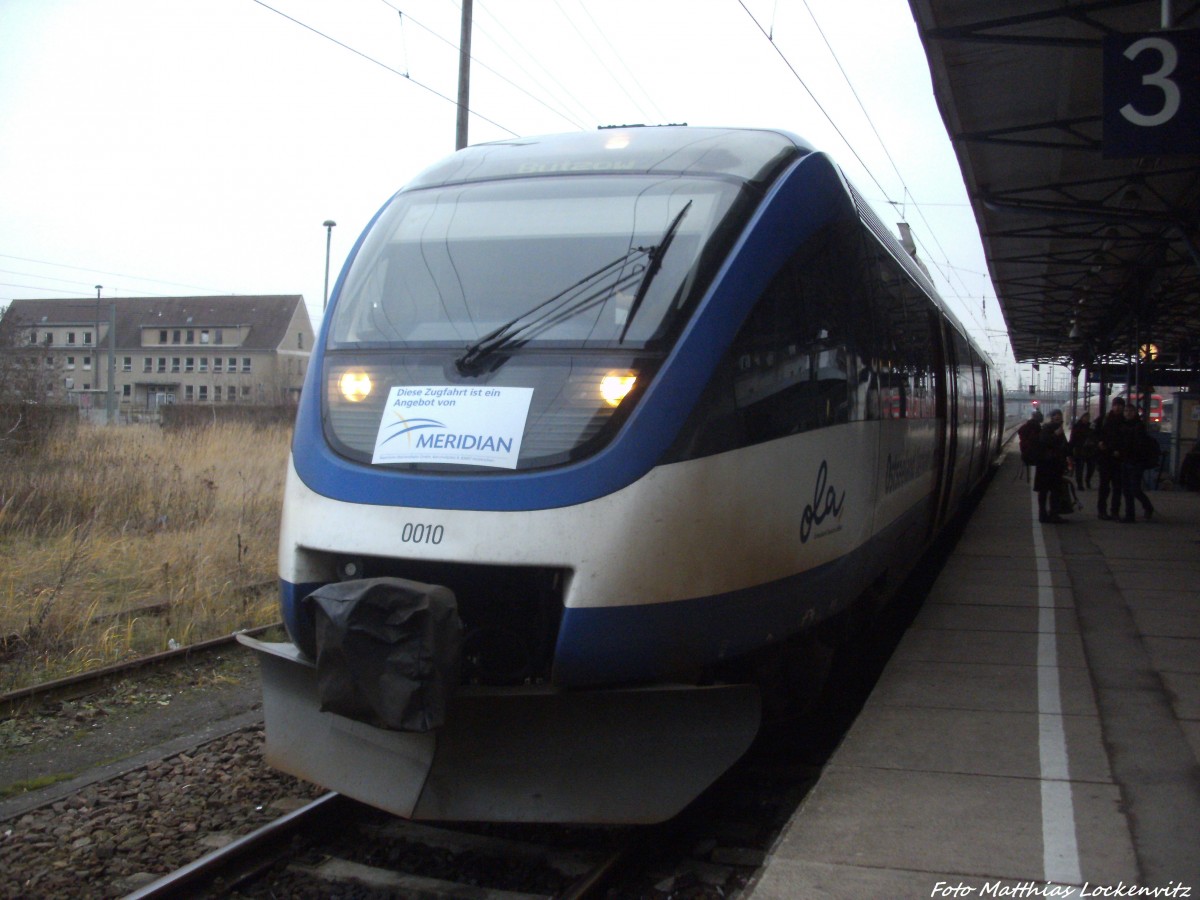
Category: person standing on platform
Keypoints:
(1029, 436)
(1051, 465)
(1131, 441)
(1082, 443)
(1110, 468)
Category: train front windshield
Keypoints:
(572, 286)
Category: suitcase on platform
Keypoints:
(1063, 500)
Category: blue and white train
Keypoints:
(659, 410)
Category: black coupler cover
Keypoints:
(387, 651)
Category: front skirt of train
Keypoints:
(531, 753)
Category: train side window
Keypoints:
(796, 364)
(798, 367)
(903, 356)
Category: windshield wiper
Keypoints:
(550, 312)
(656, 258)
(570, 302)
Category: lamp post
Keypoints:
(329, 224)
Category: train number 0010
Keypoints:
(421, 534)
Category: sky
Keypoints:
(163, 148)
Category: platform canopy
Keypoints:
(1077, 127)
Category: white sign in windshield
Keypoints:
(470, 426)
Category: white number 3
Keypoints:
(1159, 79)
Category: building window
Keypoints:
(162, 364)
(300, 340)
(216, 393)
(70, 337)
(204, 364)
(191, 336)
(245, 364)
(87, 363)
(69, 383)
(49, 362)
(189, 393)
(87, 338)
(127, 391)
(147, 364)
(176, 336)
(70, 362)
(174, 363)
(231, 397)
(232, 367)
(33, 336)
(204, 336)
(204, 393)
(162, 336)
(190, 364)
(217, 361)
(246, 391)
(48, 339)
(217, 336)
(127, 364)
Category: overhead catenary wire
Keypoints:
(602, 63)
(566, 116)
(662, 117)
(382, 64)
(549, 77)
(945, 263)
(787, 62)
(857, 98)
(939, 261)
(93, 272)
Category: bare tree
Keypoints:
(27, 385)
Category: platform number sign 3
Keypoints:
(1152, 94)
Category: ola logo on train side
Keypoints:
(825, 503)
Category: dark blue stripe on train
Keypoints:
(600, 645)
(807, 197)
(663, 640)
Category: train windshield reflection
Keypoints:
(446, 266)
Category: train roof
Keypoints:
(752, 155)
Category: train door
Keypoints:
(946, 445)
(966, 408)
(983, 440)
(998, 434)
(974, 418)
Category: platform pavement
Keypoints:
(1037, 731)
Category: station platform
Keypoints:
(1036, 733)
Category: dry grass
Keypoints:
(116, 541)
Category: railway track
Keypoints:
(75, 686)
(334, 844)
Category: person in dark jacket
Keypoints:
(1107, 463)
(1131, 454)
(1029, 435)
(1051, 465)
(1082, 444)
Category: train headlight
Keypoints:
(355, 386)
(615, 385)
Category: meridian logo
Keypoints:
(487, 442)
(483, 442)
(408, 426)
